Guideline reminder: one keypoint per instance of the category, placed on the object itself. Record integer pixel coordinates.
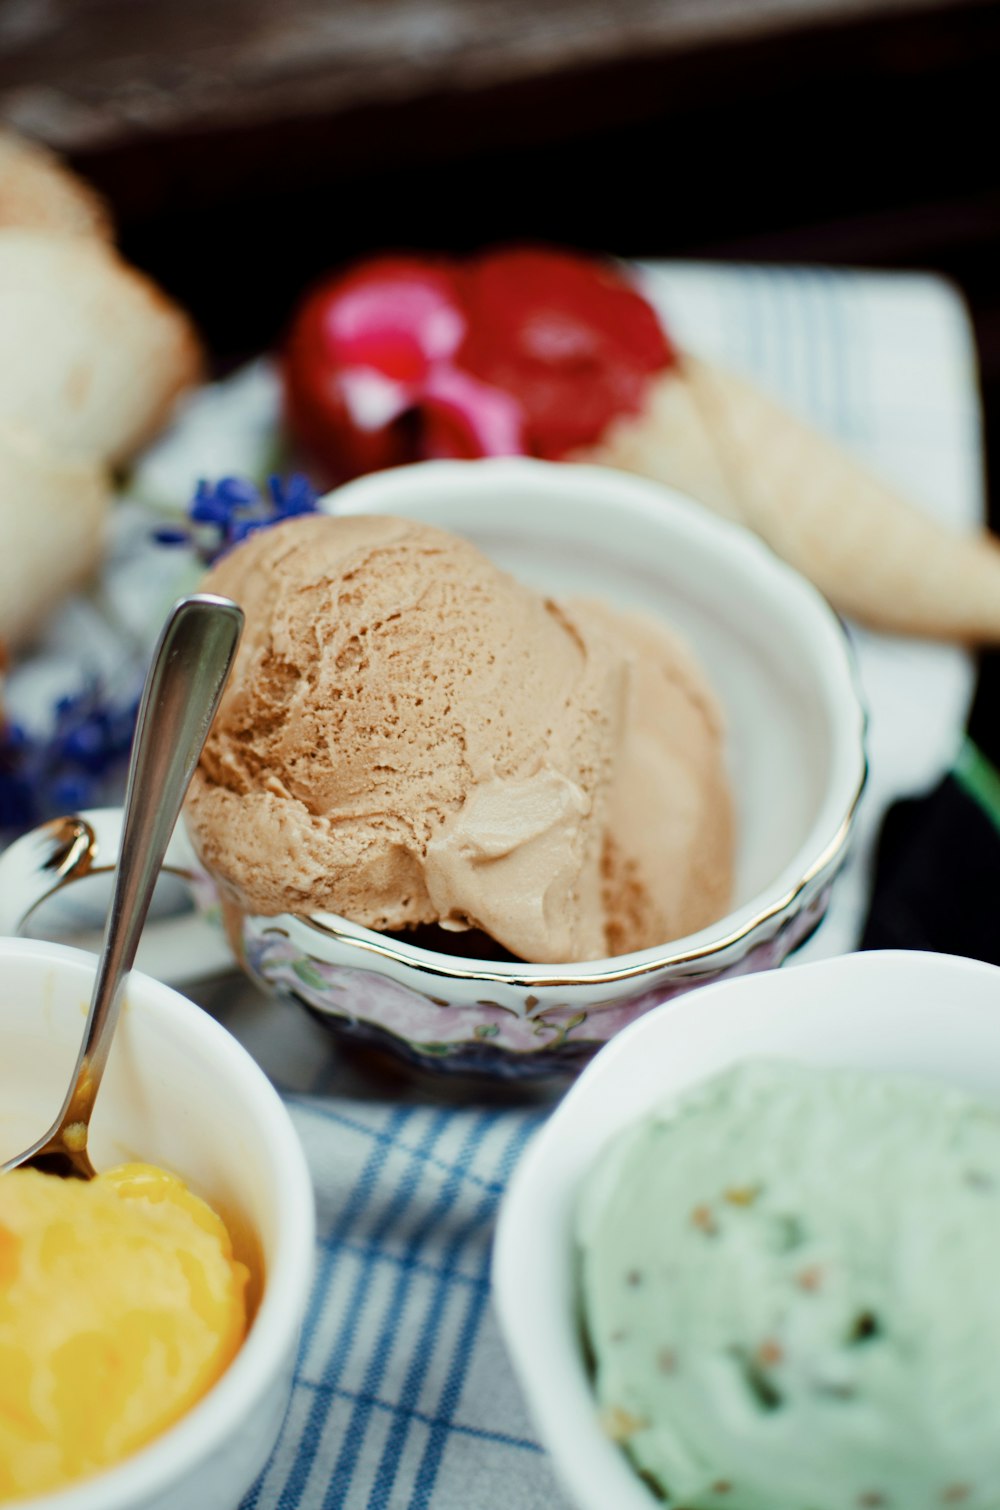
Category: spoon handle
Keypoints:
(189, 670)
(183, 688)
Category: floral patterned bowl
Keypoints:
(779, 661)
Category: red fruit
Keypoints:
(524, 350)
(360, 351)
(463, 417)
(568, 335)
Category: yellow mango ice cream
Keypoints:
(120, 1305)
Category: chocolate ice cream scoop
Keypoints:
(411, 736)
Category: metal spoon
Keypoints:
(182, 692)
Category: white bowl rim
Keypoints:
(835, 665)
(178, 1451)
(603, 1476)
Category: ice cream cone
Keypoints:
(671, 443)
(875, 556)
(589, 373)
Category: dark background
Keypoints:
(246, 146)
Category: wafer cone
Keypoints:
(51, 529)
(876, 557)
(671, 443)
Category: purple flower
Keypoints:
(295, 496)
(78, 763)
(223, 513)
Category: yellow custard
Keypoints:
(120, 1305)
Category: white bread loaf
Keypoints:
(92, 359)
(94, 355)
(37, 191)
(52, 517)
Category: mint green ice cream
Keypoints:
(791, 1292)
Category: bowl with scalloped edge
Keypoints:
(781, 666)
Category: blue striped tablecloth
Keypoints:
(403, 1394)
(403, 1397)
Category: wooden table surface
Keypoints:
(309, 131)
(89, 74)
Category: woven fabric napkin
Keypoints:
(403, 1396)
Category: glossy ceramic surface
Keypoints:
(779, 661)
(927, 1014)
(180, 1092)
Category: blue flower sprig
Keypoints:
(223, 513)
(78, 763)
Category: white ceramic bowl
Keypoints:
(927, 1014)
(180, 1092)
(779, 661)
